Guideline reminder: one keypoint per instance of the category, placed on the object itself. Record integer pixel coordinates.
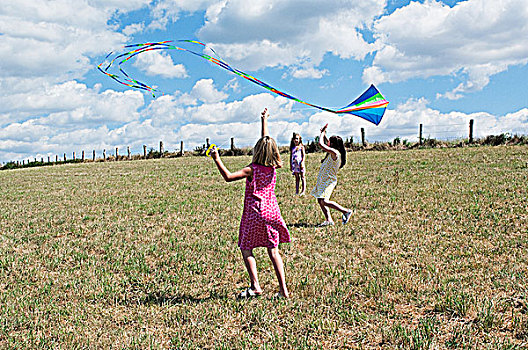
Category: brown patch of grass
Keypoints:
(143, 254)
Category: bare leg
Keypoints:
(303, 183)
(334, 205)
(251, 267)
(278, 265)
(325, 210)
(297, 179)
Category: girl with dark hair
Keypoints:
(327, 178)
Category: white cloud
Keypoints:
(405, 119)
(48, 46)
(233, 85)
(73, 103)
(309, 72)
(156, 63)
(166, 110)
(59, 35)
(167, 120)
(165, 11)
(472, 41)
(133, 28)
(205, 91)
(202, 91)
(26, 132)
(272, 33)
(44, 45)
(246, 109)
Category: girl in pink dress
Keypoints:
(262, 224)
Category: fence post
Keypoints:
(363, 142)
(48, 159)
(83, 156)
(56, 158)
(145, 151)
(232, 144)
(93, 156)
(64, 156)
(128, 152)
(74, 156)
(471, 131)
(420, 136)
(117, 154)
(161, 148)
(181, 148)
(104, 155)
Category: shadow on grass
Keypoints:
(163, 299)
(301, 225)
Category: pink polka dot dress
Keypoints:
(262, 224)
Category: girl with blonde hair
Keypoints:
(262, 224)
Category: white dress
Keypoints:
(327, 178)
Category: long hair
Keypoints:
(336, 142)
(292, 142)
(267, 153)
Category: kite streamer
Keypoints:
(370, 105)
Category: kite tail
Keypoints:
(370, 105)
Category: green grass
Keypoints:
(143, 255)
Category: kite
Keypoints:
(370, 105)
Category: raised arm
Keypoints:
(226, 174)
(322, 143)
(264, 122)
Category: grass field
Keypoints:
(143, 255)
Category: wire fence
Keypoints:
(441, 132)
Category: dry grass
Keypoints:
(143, 255)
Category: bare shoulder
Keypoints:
(333, 153)
(248, 170)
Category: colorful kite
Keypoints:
(370, 105)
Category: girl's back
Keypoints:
(262, 224)
(262, 185)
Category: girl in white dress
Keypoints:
(327, 177)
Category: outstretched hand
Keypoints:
(264, 114)
(323, 129)
(213, 152)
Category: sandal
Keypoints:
(278, 295)
(248, 293)
(346, 217)
(326, 223)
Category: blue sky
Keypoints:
(439, 63)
